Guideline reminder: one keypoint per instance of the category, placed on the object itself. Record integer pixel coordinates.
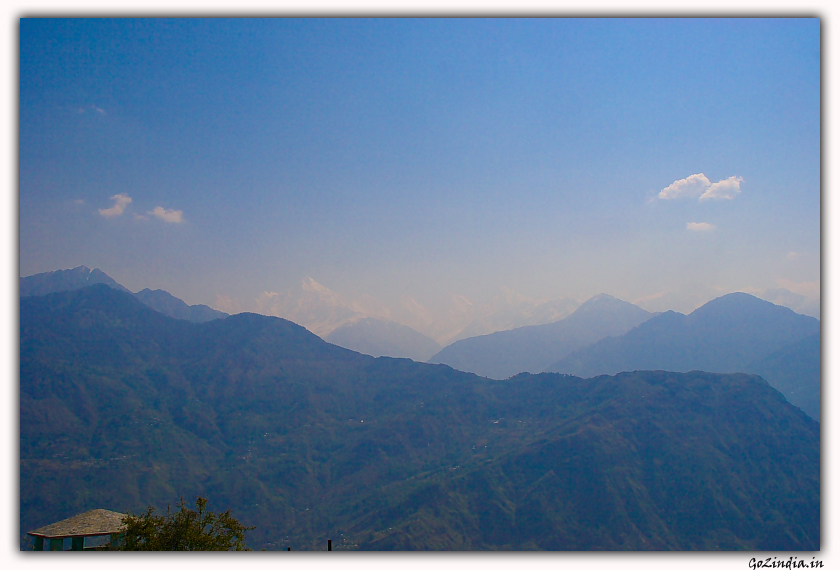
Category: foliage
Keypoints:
(184, 529)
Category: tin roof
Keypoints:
(92, 523)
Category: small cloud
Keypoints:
(699, 227)
(121, 201)
(723, 189)
(699, 186)
(690, 187)
(93, 108)
(79, 202)
(794, 255)
(140, 217)
(170, 216)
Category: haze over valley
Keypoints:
(734, 333)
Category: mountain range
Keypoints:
(122, 407)
(322, 310)
(725, 335)
(733, 333)
(509, 310)
(532, 348)
(76, 278)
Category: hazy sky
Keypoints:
(558, 158)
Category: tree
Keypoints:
(184, 529)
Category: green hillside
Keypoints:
(122, 407)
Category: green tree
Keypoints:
(184, 529)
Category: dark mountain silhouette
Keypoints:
(733, 333)
(79, 277)
(378, 337)
(122, 407)
(531, 349)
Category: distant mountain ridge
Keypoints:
(377, 337)
(65, 280)
(503, 354)
(174, 307)
(82, 276)
(511, 311)
(122, 407)
(322, 311)
(797, 303)
(732, 333)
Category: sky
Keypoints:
(662, 161)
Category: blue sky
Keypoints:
(424, 157)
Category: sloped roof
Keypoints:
(92, 523)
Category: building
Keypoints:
(98, 522)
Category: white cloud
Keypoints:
(699, 186)
(171, 216)
(690, 187)
(723, 189)
(121, 201)
(94, 108)
(699, 227)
